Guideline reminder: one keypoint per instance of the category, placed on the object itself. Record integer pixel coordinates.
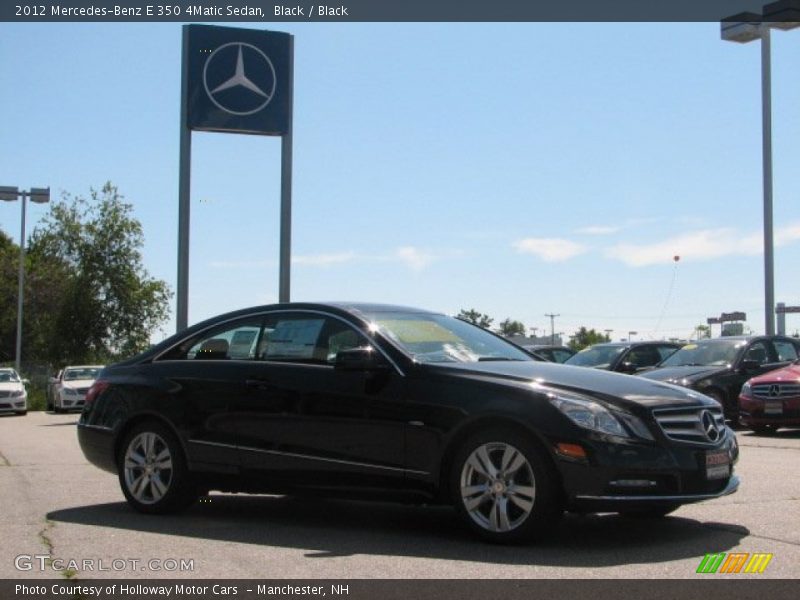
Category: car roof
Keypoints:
(639, 343)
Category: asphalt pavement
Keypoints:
(54, 504)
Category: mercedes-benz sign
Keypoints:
(238, 80)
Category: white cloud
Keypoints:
(598, 230)
(550, 249)
(705, 244)
(414, 258)
(324, 260)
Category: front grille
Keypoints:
(5, 393)
(776, 391)
(82, 391)
(686, 425)
(5, 405)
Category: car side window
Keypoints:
(231, 341)
(665, 351)
(306, 338)
(758, 353)
(643, 356)
(785, 351)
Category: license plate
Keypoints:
(773, 407)
(718, 465)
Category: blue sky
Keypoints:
(519, 169)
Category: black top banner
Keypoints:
(270, 11)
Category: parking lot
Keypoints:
(55, 503)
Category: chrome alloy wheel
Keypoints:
(148, 467)
(497, 487)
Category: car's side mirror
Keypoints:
(627, 367)
(749, 366)
(364, 358)
(26, 382)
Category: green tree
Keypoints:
(702, 331)
(109, 304)
(586, 337)
(509, 328)
(475, 317)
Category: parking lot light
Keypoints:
(743, 28)
(40, 196)
(784, 14)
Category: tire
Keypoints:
(504, 488)
(152, 470)
(22, 413)
(655, 512)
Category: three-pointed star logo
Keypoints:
(253, 72)
(239, 78)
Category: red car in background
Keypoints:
(772, 400)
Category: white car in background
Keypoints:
(13, 397)
(68, 389)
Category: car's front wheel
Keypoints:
(153, 472)
(503, 488)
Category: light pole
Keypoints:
(40, 196)
(631, 333)
(743, 28)
(552, 327)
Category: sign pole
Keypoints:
(286, 190)
(184, 205)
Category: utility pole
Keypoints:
(552, 327)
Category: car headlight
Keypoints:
(17, 393)
(747, 391)
(589, 415)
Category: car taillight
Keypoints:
(94, 391)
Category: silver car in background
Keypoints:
(13, 397)
(68, 389)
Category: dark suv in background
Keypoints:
(719, 367)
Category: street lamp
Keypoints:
(630, 333)
(40, 196)
(743, 28)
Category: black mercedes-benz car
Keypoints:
(404, 404)
(719, 367)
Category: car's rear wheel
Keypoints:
(503, 488)
(153, 472)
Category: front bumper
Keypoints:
(621, 476)
(13, 405)
(782, 412)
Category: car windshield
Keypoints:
(705, 354)
(83, 373)
(433, 338)
(595, 356)
(8, 375)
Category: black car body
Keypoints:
(719, 367)
(407, 404)
(623, 357)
